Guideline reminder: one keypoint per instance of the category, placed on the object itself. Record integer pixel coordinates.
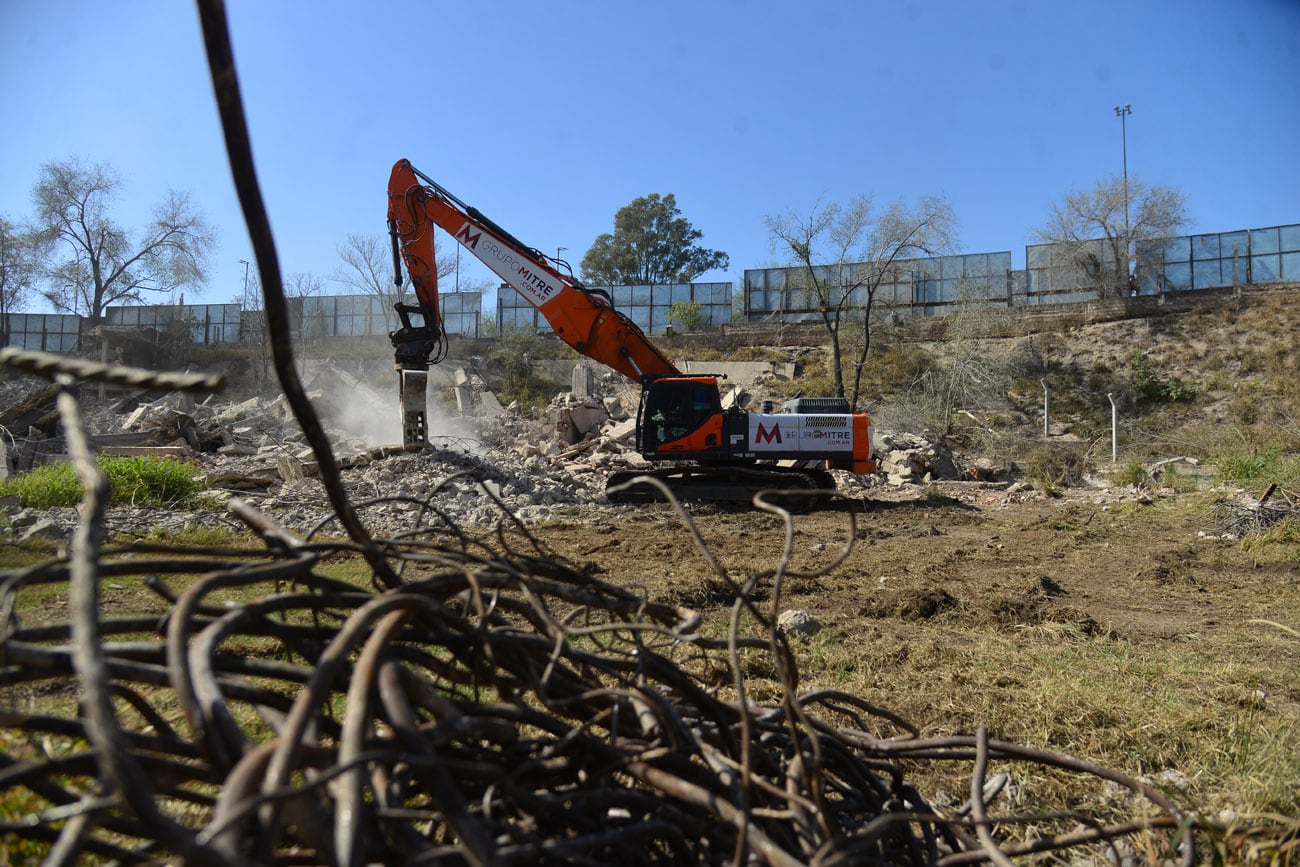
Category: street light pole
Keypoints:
(244, 262)
(1122, 112)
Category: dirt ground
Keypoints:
(1140, 568)
(1110, 626)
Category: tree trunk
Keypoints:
(836, 356)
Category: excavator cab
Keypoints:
(680, 415)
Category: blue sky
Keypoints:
(549, 116)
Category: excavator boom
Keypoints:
(584, 318)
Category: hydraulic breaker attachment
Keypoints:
(414, 388)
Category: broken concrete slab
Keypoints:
(47, 529)
(292, 469)
(582, 382)
(489, 406)
(614, 408)
(37, 409)
(621, 430)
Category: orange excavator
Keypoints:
(700, 450)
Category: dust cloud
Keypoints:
(369, 410)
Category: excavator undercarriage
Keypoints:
(790, 487)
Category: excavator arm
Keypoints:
(582, 317)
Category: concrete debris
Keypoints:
(794, 621)
(47, 528)
(35, 408)
(909, 458)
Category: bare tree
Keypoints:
(1098, 230)
(842, 254)
(966, 375)
(104, 264)
(20, 268)
(298, 288)
(368, 269)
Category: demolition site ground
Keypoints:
(1110, 618)
(1112, 628)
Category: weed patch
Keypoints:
(132, 481)
(1257, 467)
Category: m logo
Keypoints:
(466, 238)
(763, 435)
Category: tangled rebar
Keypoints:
(1236, 520)
(497, 706)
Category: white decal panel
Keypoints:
(534, 284)
(800, 433)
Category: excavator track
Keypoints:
(806, 486)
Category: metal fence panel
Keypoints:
(1205, 247)
(208, 323)
(48, 332)
(1178, 275)
(1265, 241)
(1218, 260)
(1234, 244)
(648, 306)
(1289, 238)
(1266, 269)
(919, 285)
(1291, 266)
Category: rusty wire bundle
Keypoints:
(1235, 520)
(492, 705)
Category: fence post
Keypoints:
(1047, 410)
(1114, 429)
(1236, 275)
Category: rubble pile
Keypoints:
(481, 457)
(909, 458)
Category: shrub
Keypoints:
(134, 481)
(45, 487)
(1245, 409)
(1051, 467)
(1154, 388)
(1132, 474)
(687, 315)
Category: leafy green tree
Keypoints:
(104, 264)
(20, 266)
(686, 315)
(651, 243)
